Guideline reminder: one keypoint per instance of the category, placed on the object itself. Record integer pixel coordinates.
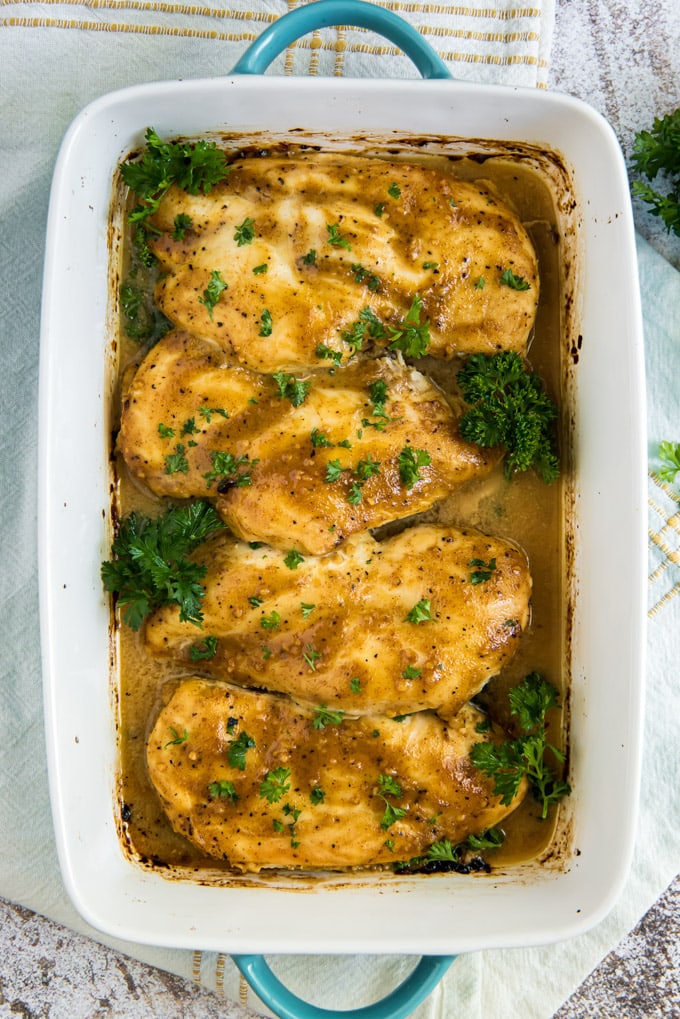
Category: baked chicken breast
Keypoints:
(421, 620)
(291, 258)
(258, 781)
(301, 463)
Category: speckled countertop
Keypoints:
(623, 57)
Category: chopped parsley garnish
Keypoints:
(327, 353)
(151, 565)
(189, 427)
(508, 279)
(207, 412)
(194, 167)
(508, 763)
(483, 571)
(411, 672)
(291, 388)
(245, 233)
(480, 284)
(310, 257)
(311, 656)
(176, 740)
(430, 265)
(379, 209)
(203, 651)
(317, 795)
(255, 601)
(354, 494)
(223, 790)
(165, 431)
(366, 469)
(389, 786)
(413, 336)
(266, 324)
(362, 275)
(368, 325)
(334, 471)
(260, 270)
(236, 754)
(293, 559)
(230, 469)
(421, 612)
(394, 191)
(336, 238)
(211, 294)
(324, 716)
(410, 461)
(275, 785)
(306, 609)
(509, 408)
(181, 224)
(177, 463)
(320, 439)
(355, 684)
(271, 622)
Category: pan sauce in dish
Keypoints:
(523, 510)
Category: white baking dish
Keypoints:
(442, 914)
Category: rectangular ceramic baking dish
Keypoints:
(533, 903)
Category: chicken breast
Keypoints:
(419, 621)
(281, 261)
(253, 779)
(303, 467)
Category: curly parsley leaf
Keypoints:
(421, 612)
(508, 763)
(223, 790)
(275, 785)
(669, 454)
(205, 650)
(196, 167)
(412, 337)
(508, 279)
(211, 294)
(324, 716)
(657, 152)
(150, 565)
(509, 408)
(238, 748)
(409, 462)
(291, 388)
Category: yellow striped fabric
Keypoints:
(485, 41)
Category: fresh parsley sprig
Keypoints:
(150, 565)
(508, 763)
(669, 454)
(509, 408)
(657, 152)
(194, 166)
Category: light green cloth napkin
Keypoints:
(54, 58)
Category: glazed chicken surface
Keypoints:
(419, 621)
(298, 468)
(304, 246)
(261, 782)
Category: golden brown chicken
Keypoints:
(297, 258)
(419, 621)
(253, 779)
(301, 463)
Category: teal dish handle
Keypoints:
(399, 1004)
(326, 13)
